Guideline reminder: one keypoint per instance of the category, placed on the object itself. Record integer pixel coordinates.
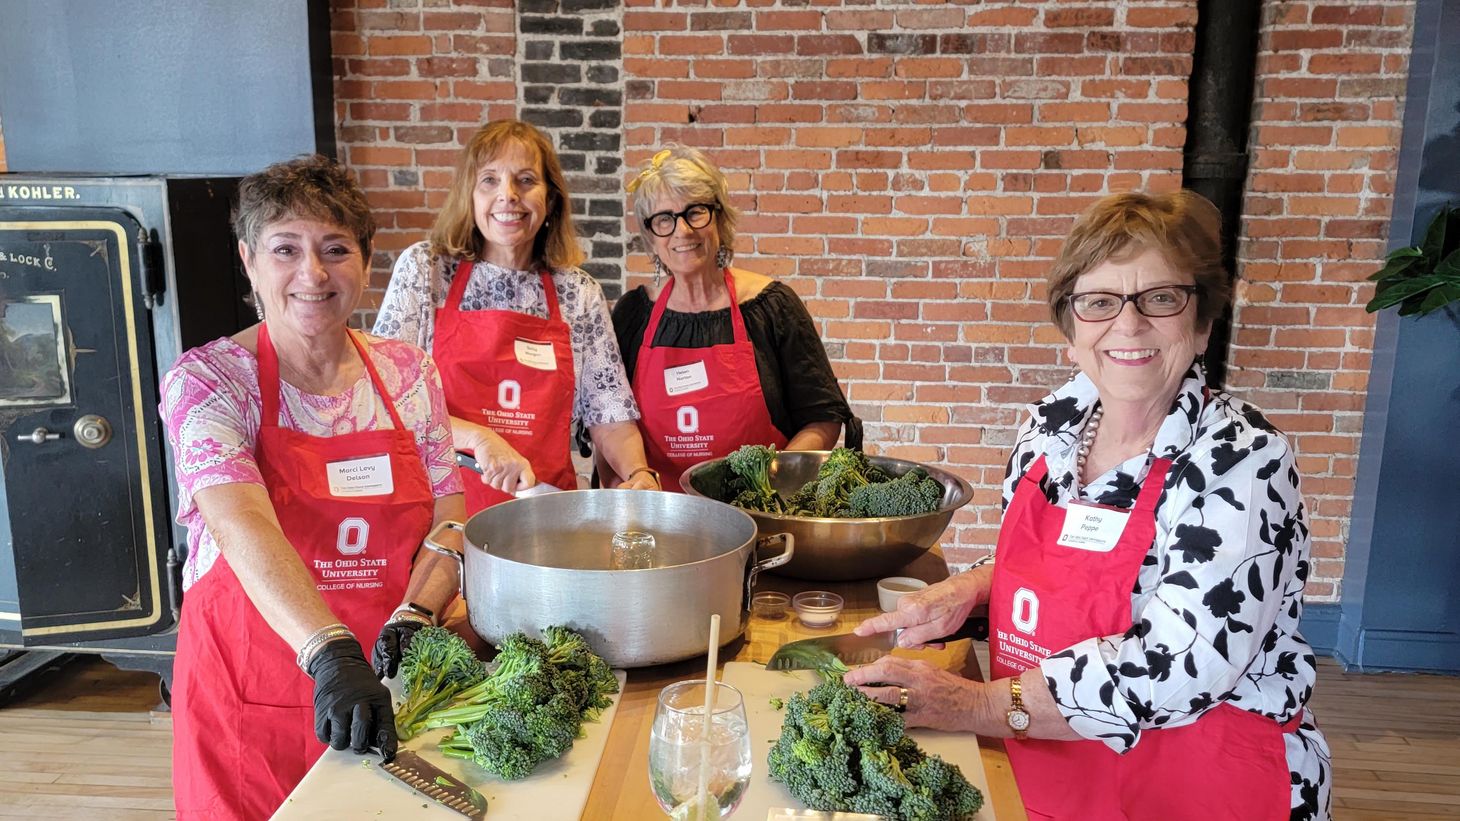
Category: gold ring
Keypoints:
(901, 699)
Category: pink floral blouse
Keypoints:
(211, 406)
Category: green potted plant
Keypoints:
(1423, 278)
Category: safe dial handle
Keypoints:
(39, 436)
(92, 431)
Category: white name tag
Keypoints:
(1091, 527)
(685, 379)
(537, 355)
(366, 476)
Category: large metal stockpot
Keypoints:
(549, 559)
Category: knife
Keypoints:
(434, 783)
(469, 462)
(850, 648)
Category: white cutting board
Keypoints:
(758, 685)
(343, 785)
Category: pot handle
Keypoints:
(787, 541)
(784, 556)
(430, 543)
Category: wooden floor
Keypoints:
(85, 745)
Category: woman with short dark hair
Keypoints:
(312, 462)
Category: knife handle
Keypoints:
(976, 628)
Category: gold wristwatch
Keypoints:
(1018, 717)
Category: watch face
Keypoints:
(1018, 721)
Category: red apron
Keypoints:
(1229, 764)
(243, 714)
(513, 373)
(699, 403)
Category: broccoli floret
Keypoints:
(498, 743)
(436, 665)
(839, 750)
(907, 495)
(531, 707)
(751, 465)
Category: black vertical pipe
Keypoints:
(1218, 119)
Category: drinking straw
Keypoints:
(701, 797)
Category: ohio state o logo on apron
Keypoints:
(688, 419)
(1025, 615)
(353, 536)
(509, 394)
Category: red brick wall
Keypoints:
(1327, 118)
(911, 167)
(413, 80)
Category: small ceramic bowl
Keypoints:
(769, 605)
(891, 589)
(817, 608)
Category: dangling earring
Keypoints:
(658, 270)
(1074, 367)
(258, 304)
(722, 258)
(1200, 361)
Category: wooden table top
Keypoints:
(621, 786)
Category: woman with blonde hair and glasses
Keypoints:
(719, 356)
(1145, 600)
(521, 334)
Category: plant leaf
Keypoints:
(1395, 268)
(1439, 298)
(1449, 268)
(1401, 291)
(1434, 244)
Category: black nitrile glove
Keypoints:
(351, 707)
(394, 638)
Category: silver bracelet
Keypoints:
(404, 614)
(318, 639)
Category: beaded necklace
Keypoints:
(1087, 440)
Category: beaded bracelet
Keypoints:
(318, 639)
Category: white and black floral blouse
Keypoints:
(421, 281)
(1216, 604)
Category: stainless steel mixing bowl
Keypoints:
(840, 549)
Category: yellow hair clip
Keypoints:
(654, 164)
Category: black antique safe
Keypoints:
(104, 282)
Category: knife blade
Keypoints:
(850, 648)
(436, 784)
(469, 462)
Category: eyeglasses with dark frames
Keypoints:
(695, 216)
(1103, 306)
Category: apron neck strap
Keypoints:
(270, 385)
(550, 295)
(458, 284)
(1037, 471)
(1153, 486)
(737, 322)
(268, 379)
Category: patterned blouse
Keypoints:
(211, 407)
(419, 286)
(1216, 604)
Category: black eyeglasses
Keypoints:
(1102, 306)
(663, 223)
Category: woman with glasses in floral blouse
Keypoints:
(1145, 601)
(719, 356)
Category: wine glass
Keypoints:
(677, 751)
